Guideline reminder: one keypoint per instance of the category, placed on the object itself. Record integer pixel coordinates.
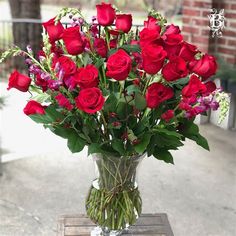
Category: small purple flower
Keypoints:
(29, 49)
(45, 76)
(54, 84)
(57, 67)
(28, 61)
(94, 18)
(214, 105)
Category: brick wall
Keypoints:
(196, 27)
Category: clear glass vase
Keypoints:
(113, 201)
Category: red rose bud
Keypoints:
(172, 44)
(33, 107)
(171, 29)
(210, 87)
(100, 47)
(19, 81)
(136, 81)
(158, 93)
(168, 115)
(54, 31)
(73, 40)
(194, 87)
(205, 67)
(112, 114)
(124, 22)
(87, 77)
(113, 43)
(90, 100)
(64, 102)
(67, 65)
(105, 14)
(119, 65)
(175, 69)
(153, 58)
(116, 123)
(152, 24)
(187, 51)
(135, 141)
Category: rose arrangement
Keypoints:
(118, 91)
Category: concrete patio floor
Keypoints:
(198, 193)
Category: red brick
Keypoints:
(230, 33)
(186, 37)
(230, 15)
(202, 4)
(187, 3)
(225, 50)
(221, 41)
(191, 12)
(232, 24)
(205, 32)
(201, 21)
(205, 13)
(190, 29)
(200, 39)
(231, 42)
(233, 7)
(186, 20)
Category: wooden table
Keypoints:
(146, 225)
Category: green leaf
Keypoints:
(182, 81)
(131, 48)
(168, 132)
(164, 155)
(200, 140)
(121, 110)
(118, 146)
(99, 63)
(140, 101)
(132, 88)
(94, 148)
(111, 103)
(141, 147)
(75, 143)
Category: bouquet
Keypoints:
(120, 90)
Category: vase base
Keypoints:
(98, 231)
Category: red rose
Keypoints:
(54, 31)
(33, 107)
(124, 22)
(172, 44)
(210, 87)
(158, 93)
(205, 67)
(90, 100)
(67, 65)
(187, 51)
(19, 81)
(152, 24)
(113, 43)
(105, 14)
(148, 36)
(175, 69)
(171, 29)
(74, 43)
(87, 77)
(100, 47)
(153, 58)
(168, 115)
(64, 102)
(194, 87)
(119, 65)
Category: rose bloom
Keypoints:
(153, 58)
(175, 69)
(158, 93)
(171, 29)
(67, 65)
(87, 77)
(187, 51)
(54, 31)
(194, 87)
(148, 36)
(152, 24)
(73, 40)
(100, 47)
(168, 115)
(119, 65)
(105, 14)
(64, 102)
(210, 87)
(124, 22)
(90, 100)
(205, 67)
(19, 81)
(33, 107)
(172, 44)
